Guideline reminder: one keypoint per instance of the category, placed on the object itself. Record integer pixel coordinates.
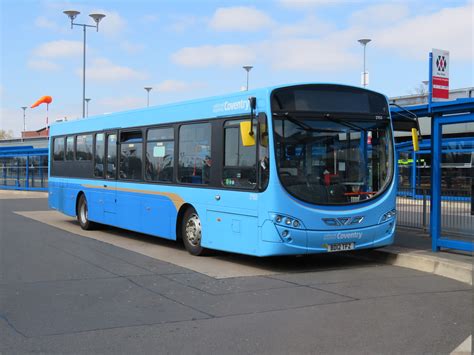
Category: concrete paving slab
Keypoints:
(33, 257)
(73, 306)
(416, 326)
(346, 275)
(244, 302)
(229, 285)
(221, 265)
(15, 195)
(362, 289)
(172, 254)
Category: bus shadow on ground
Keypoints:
(273, 264)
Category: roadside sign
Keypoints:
(440, 74)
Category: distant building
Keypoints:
(43, 132)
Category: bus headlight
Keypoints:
(388, 215)
(287, 221)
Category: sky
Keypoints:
(188, 49)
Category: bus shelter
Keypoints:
(434, 154)
(24, 168)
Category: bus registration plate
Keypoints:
(341, 247)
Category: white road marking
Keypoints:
(465, 348)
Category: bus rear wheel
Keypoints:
(192, 232)
(83, 214)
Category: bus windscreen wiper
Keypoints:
(303, 125)
(342, 122)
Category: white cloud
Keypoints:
(449, 28)
(380, 14)
(56, 49)
(239, 18)
(131, 47)
(310, 26)
(43, 65)
(115, 104)
(43, 22)
(309, 55)
(205, 56)
(171, 85)
(308, 4)
(102, 69)
(182, 23)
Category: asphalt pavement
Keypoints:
(61, 292)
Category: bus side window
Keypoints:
(194, 165)
(131, 155)
(84, 147)
(159, 161)
(58, 148)
(111, 156)
(239, 160)
(70, 148)
(99, 155)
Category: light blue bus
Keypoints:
(292, 169)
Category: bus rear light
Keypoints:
(278, 219)
(288, 221)
(285, 233)
(296, 224)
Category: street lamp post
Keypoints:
(247, 68)
(87, 106)
(364, 42)
(148, 89)
(24, 117)
(72, 14)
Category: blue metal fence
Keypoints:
(24, 168)
(442, 114)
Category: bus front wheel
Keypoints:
(192, 232)
(83, 214)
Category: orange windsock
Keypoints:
(43, 100)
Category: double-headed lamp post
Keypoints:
(72, 14)
(247, 68)
(148, 89)
(364, 42)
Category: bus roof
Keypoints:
(228, 105)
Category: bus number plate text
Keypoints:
(341, 247)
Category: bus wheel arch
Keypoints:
(188, 229)
(82, 213)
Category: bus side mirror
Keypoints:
(248, 139)
(414, 139)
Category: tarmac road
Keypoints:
(62, 292)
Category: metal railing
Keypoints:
(413, 208)
(24, 177)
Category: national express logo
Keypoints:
(231, 106)
(441, 63)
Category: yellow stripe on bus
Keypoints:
(175, 198)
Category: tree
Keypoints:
(420, 90)
(5, 134)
